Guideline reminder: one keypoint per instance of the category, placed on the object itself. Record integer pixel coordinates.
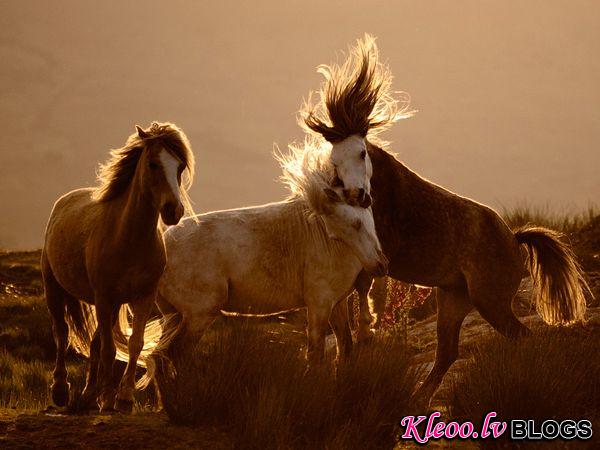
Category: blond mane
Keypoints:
(115, 175)
(306, 169)
(355, 98)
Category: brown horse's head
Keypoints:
(162, 164)
(153, 161)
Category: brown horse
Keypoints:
(433, 237)
(103, 247)
(436, 238)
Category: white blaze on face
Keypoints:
(170, 166)
(352, 162)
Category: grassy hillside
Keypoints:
(243, 384)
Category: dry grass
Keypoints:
(552, 374)
(566, 221)
(254, 380)
(27, 356)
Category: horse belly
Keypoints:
(259, 295)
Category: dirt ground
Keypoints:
(51, 429)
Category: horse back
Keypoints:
(429, 234)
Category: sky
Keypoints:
(508, 94)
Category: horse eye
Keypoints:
(363, 154)
(153, 165)
(357, 225)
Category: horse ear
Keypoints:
(332, 195)
(141, 133)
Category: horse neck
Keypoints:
(310, 232)
(138, 218)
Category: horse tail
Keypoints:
(158, 335)
(171, 326)
(81, 319)
(558, 279)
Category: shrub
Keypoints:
(254, 382)
(551, 375)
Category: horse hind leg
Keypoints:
(56, 300)
(493, 300)
(453, 305)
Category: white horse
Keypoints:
(305, 251)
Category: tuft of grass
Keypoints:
(565, 221)
(26, 329)
(255, 383)
(19, 377)
(551, 375)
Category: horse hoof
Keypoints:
(60, 393)
(124, 406)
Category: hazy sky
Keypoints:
(507, 91)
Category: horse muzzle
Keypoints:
(358, 197)
(381, 267)
(171, 213)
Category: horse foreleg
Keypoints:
(378, 298)
(452, 308)
(318, 318)
(341, 328)
(105, 313)
(363, 285)
(141, 312)
(90, 389)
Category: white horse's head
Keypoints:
(352, 170)
(355, 227)
(306, 170)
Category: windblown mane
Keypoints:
(306, 169)
(115, 175)
(355, 98)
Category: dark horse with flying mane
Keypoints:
(433, 237)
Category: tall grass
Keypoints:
(255, 383)
(563, 221)
(553, 374)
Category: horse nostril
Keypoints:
(366, 201)
(361, 194)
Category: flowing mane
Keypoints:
(115, 175)
(306, 169)
(355, 98)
